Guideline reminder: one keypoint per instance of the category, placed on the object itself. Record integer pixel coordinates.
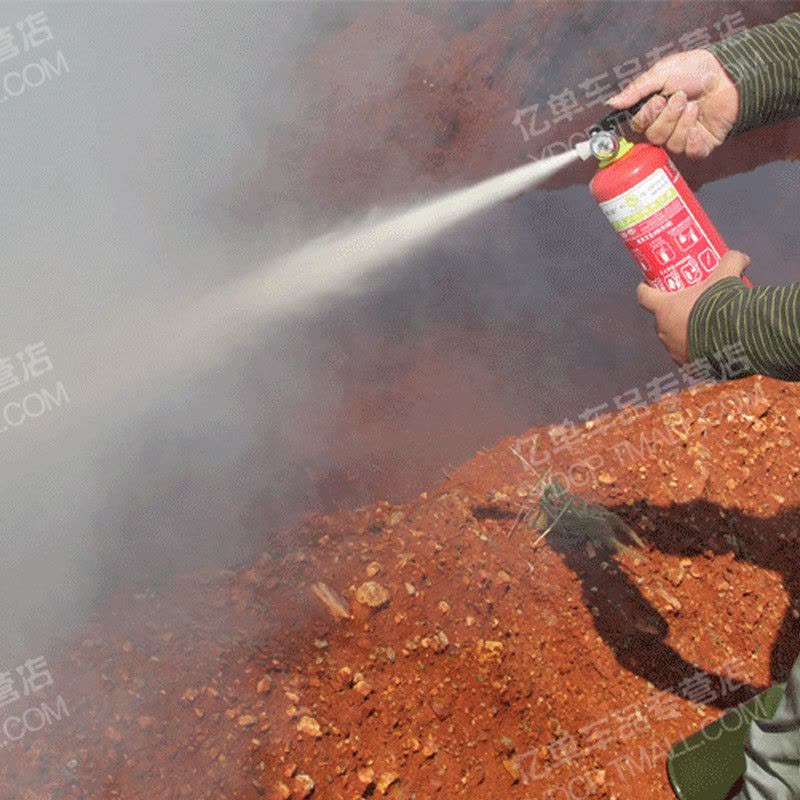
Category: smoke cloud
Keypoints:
(159, 169)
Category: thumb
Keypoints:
(649, 297)
(648, 82)
(732, 264)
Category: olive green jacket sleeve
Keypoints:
(759, 326)
(764, 62)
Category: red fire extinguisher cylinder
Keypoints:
(657, 215)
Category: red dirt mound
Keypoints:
(480, 657)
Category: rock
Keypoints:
(309, 726)
(366, 775)
(363, 688)
(410, 589)
(488, 650)
(512, 768)
(386, 780)
(282, 792)
(431, 748)
(372, 594)
(384, 652)
(303, 786)
(674, 576)
(332, 600)
(264, 685)
(190, 695)
(444, 607)
(345, 675)
(247, 721)
(507, 745)
(373, 568)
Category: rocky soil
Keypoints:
(492, 637)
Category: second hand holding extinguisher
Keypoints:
(650, 205)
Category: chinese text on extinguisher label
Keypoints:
(662, 233)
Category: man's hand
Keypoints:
(701, 111)
(672, 309)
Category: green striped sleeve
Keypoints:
(764, 62)
(761, 324)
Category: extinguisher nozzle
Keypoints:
(584, 150)
(604, 145)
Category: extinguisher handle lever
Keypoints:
(614, 119)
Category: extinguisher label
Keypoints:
(661, 232)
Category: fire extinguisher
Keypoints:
(650, 205)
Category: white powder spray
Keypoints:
(339, 263)
(187, 340)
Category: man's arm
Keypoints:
(764, 321)
(748, 79)
(764, 63)
(722, 315)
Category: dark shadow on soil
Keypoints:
(636, 632)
